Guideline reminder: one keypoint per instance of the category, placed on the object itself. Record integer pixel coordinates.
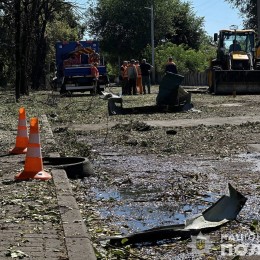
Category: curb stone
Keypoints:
(77, 239)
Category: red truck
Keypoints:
(73, 64)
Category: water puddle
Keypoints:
(152, 191)
(253, 159)
(137, 212)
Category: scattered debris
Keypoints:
(223, 211)
(113, 109)
(135, 125)
(171, 132)
(140, 126)
(16, 254)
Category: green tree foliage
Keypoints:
(185, 27)
(124, 27)
(186, 59)
(248, 10)
(28, 27)
(59, 30)
(48, 12)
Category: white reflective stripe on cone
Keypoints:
(22, 122)
(22, 133)
(34, 152)
(34, 138)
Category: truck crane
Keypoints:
(73, 62)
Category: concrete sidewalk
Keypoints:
(40, 219)
(176, 123)
(236, 120)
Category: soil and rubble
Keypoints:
(147, 176)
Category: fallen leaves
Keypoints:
(13, 253)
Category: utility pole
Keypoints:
(152, 42)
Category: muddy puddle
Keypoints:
(146, 191)
(133, 192)
(128, 213)
(139, 209)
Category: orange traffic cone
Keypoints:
(22, 135)
(33, 168)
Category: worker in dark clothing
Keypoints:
(145, 72)
(171, 66)
(235, 46)
(183, 96)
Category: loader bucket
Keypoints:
(238, 81)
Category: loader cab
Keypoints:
(236, 49)
(244, 38)
(235, 71)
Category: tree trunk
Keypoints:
(38, 75)
(17, 7)
(25, 48)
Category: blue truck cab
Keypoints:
(74, 60)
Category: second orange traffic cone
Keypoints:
(33, 168)
(22, 135)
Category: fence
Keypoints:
(195, 79)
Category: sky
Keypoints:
(218, 14)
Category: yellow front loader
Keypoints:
(236, 69)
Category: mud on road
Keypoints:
(154, 175)
(149, 176)
(134, 191)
